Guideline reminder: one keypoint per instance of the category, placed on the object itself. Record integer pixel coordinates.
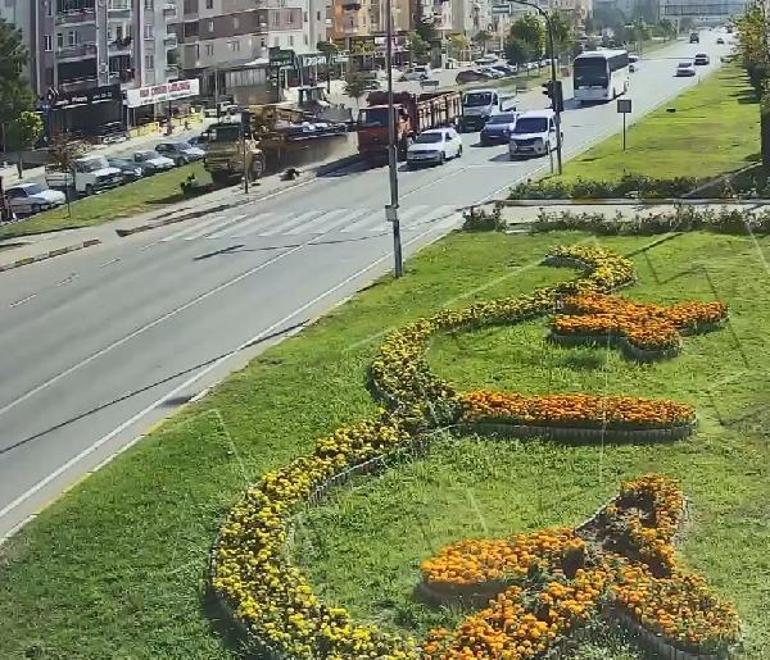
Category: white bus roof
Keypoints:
(601, 53)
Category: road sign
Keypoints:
(281, 58)
(501, 9)
(624, 106)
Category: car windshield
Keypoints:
(145, 155)
(531, 125)
(591, 72)
(224, 133)
(119, 162)
(505, 118)
(429, 138)
(93, 164)
(685, 65)
(34, 189)
(476, 99)
(373, 117)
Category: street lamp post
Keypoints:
(551, 53)
(391, 210)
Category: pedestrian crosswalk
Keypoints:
(314, 223)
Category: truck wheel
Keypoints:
(89, 190)
(257, 169)
(36, 208)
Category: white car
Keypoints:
(485, 59)
(434, 146)
(533, 135)
(28, 198)
(416, 73)
(685, 70)
(152, 162)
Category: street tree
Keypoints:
(63, 151)
(355, 84)
(482, 38)
(327, 48)
(753, 33)
(517, 51)
(530, 29)
(686, 24)
(417, 46)
(427, 31)
(667, 29)
(563, 37)
(22, 133)
(459, 44)
(15, 93)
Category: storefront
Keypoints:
(150, 102)
(84, 112)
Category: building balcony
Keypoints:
(169, 9)
(76, 52)
(121, 45)
(78, 84)
(75, 17)
(172, 72)
(170, 41)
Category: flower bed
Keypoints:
(251, 570)
(644, 331)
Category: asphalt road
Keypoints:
(96, 346)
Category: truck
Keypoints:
(412, 114)
(481, 104)
(267, 136)
(89, 175)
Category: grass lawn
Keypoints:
(138, 197)
(714, 130)
(117, 568)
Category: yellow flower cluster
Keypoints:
(574, 410)
(473, 561)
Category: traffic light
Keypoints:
(554, 92)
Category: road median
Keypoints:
(50, 254)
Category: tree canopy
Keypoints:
(530, 29)
(517, 51)
(15, 93)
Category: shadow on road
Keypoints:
(169, 402)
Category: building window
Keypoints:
(49, 7)
(318, 16)
(276, 42)
(209, 4)
(60, 40)
(305, 17)
(47, 43)
(72, 38)
(149, 61)
(262, 42)
(291, 40)
(191, 29)
(197, 51)
(235, 46)
(209, 50)
(291, 17)
(236, 22)
(148, 31)
(149, 4)
(275, 18)
(211, 26)
(305, 38)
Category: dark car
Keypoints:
(694, 38)
(129, 170)
(471, 75)
(720, 41)
(498, 129)
(180, 152)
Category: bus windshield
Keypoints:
(477, 99)
(591, 72)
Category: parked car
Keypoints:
(505, 69)
(90, 175)
(180, 152)
(472, 75)
(685, 69)
(702, 59)
(485, 60)
(129, 170)
(434, 146)
(29, 198)
(498, 129)
(111, 133)
(416, 73)
(492, 72)
(152, 162)
(533, 135)
(720, 41)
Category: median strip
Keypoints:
(49, 255)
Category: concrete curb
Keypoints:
(624, 201)
(49, 255)
(321, 170)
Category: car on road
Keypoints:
(694, 38)
(720, 41)
(472, 75)
(701, 59)
(434, 146)
(180, 152)
(153, 162)
(29, 198)
(485, 60)
(685, 69)
(633, 63)
(492, 72)
(505, 69)
(498, 129)
(533, 135)
(129, 170)
(416, 73)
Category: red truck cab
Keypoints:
(373, 130)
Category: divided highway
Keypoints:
(96, 346)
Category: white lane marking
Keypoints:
(234, 230)
(111, 261)
(144, 328)
(287, 222)
(190, 381)
(376, 220)
(21, 301)
(67, 279)
(318, 221)
(206, 230)
(220, 229)
(190, 229)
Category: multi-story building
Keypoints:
(19, 13)
(470, 16)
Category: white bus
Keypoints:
(600, 75)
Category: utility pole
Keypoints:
(391, 210)
(551, 54)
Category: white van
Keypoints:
(481, 104)
(533, 135)
(91, 175)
